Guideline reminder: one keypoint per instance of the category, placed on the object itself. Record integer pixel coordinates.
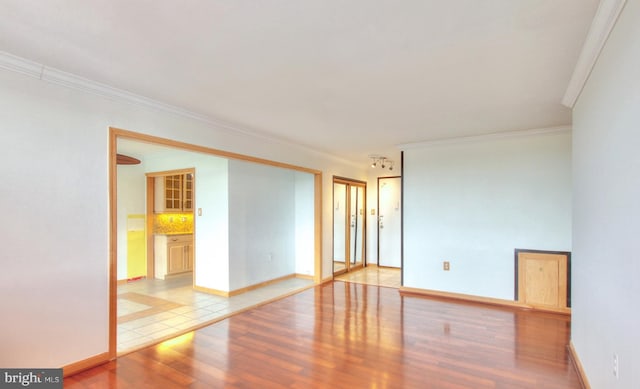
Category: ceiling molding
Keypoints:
(40, 71)
(603, 22)
(487, 137)
(20, 65)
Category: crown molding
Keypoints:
(487, 137)
(603, 23)
(44, 73)
(20, 65)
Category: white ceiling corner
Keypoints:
(602, 25)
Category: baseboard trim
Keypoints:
(577, 365)
(248, 288)
(304, 276)
(328, 279)
(404, 290)
(260, 285)
(85, 364)
(128, 280)
(211, 291)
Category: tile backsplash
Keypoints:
(173, 223)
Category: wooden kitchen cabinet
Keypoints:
(174, 193)
(173, 254)
(179, 254)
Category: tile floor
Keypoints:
(153, 310)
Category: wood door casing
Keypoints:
(542, 279)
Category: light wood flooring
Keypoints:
(350, 335)
(373, 275)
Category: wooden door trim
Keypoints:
(349, 181)
(567, 254)
(171, 172)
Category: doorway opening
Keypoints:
(189, 290)
(349, 224)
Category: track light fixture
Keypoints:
(383, 162)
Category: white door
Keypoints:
(389, 221)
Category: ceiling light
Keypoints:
(379, 160)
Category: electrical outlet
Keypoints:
(616, 370)
(446, 266)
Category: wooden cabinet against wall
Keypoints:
(174, 193)
(179, 254)
(542, 279)
(173, 254)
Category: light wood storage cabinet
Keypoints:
(174, 193)
(543, 279)
(173, 254)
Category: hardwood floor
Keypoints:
(348, 335)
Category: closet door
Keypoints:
(357, 227)
(349, 225)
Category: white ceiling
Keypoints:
(350, 78)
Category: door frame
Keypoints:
(117, 133)
(349, 182)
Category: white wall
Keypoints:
(211, 195)
(55, 157)
(211, 267)
(606, 211)
(472, 204)
(304, 235)
(261, 223)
